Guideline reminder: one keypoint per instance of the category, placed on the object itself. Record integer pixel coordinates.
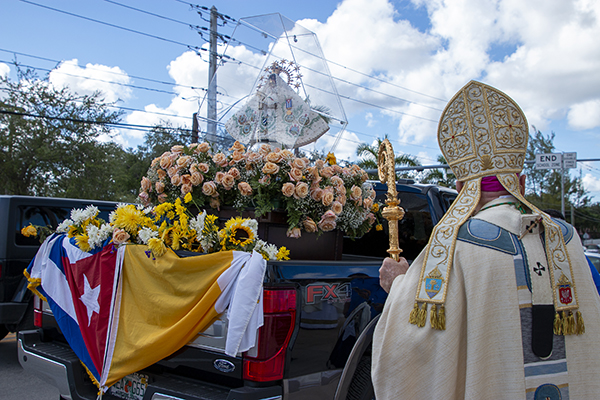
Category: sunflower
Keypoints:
(238, 233)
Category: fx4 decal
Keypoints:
(330, 292)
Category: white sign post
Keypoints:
(548, 161)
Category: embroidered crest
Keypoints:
(564, 290)
(433, 283)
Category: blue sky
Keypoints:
(402, 60)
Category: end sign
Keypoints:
(548, 161)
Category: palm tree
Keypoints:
(369, 155)
(442, 176)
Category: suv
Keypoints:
(16, 250)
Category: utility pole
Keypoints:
(212, 78)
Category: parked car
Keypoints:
(16, 250)
(594, 258)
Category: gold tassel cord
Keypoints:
(414, 314)
(442, 319)
(422, 316)
(580, 323)
(433, 317)
(557, 325)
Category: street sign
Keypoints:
(570, 160)
(548, 161)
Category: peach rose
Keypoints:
(270, 168)
(313, 172)
(309, 225)
(175, 180)
(203, 167)
(265, 180)
(264, 149)
(172, 171)
(327, 197)
(299, 163)
(293, 233)
(342, 198)
(234, 172)
(162, 197)
(160, 187)
(146, 184)
(336, 168)
(186, 188)
(215, 203)
(237, 146)
(237, 156)
(319, 164)
(368, 203)
(340, 190)
(219, 177)
(274, 157)
(220, 159)
(301, 190)
(288, 189)
(177, 149)
(253, 157)
(245, 188)
(228, 181)
(316, 194)
(155, 162)
(295, 174)
(355, 192)
(165, 162)
(162, 174)
(120, 236)
(186, 179)
(184, 161)
(286, 154)
(144, 197)
(203, 147)
(193, 146)
(197, 178)
(337, 181)
(371, 218)
(337, 207)
(327, 172)
(327, 225)
(210, 189)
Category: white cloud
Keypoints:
(4, 70)
(92, 78)
(585, 115)
(591, 183)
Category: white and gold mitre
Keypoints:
(482, 132)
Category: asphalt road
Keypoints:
(15, 383)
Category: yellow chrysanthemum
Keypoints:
(29, 231)
(375, 207)
(72, 231)
(157, 247)
(161, 209)
(129, 218)
(82, 242)
(378, 227)
(283, 254)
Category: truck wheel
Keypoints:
(3, 332)
(361, 387)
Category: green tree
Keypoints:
(49, 141)
(369, 154)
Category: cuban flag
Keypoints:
(79, 287)
(122, 310)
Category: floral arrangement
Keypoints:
(166, 225)
(317, 197)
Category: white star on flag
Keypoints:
(90, 299)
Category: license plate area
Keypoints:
(131, 387)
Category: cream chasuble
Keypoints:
(485, 351)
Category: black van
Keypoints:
(16, 250)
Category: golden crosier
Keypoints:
(393, 213)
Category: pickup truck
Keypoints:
(319, 317)
(16, 250)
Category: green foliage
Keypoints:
(369, 154)
(49, 142)
(442, 176)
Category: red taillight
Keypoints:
(37, 311)
(266, 361)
